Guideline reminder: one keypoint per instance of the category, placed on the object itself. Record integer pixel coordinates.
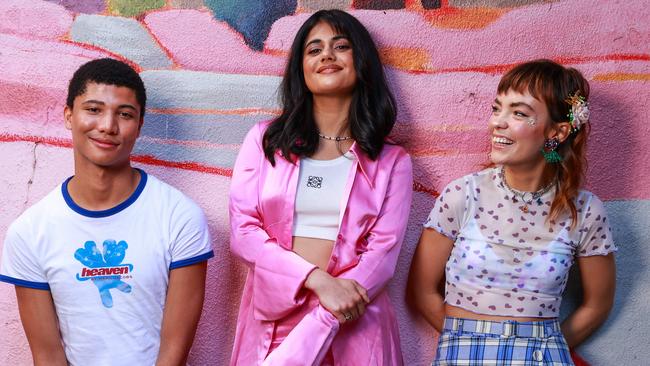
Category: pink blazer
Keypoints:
(376, 205)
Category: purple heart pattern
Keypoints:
(513, 263)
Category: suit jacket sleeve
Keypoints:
(278, 274)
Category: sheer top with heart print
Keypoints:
(509, 260)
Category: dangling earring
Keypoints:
(549, 151)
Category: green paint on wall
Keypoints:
(186, 4)
(130, 8)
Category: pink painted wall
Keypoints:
(210, 77)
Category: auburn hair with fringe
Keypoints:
(552, 84)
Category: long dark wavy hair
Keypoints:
(372, 110)
(553, 83)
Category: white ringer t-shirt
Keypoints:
(107, 270)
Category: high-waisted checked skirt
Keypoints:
(468, 342)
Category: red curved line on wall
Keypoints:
(52, 141)
(419, 187)
(110, 53)
(175, 65)
(501, 68)
(150, 160)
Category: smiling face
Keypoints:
(518, 126)
(328, 63)
(105, 122)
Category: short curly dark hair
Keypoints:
(110, 72)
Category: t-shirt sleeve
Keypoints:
(20, 265)
(192, 243)
(447, 214)
(596, 237)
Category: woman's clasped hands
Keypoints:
(346, 299)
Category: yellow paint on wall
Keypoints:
(128, 8)
(412, 59)
(621, 76)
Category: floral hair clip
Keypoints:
(579, 114)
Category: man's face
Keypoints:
(105, 122)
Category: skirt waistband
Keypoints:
(508, 328)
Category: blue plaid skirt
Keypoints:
(468, 342)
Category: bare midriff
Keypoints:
(313, 250)
(456, 312)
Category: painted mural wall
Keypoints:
(212, 68)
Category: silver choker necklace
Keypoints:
(534, 196)
(336, 138)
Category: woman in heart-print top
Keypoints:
(503, 239)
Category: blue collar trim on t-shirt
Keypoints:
(111, 211)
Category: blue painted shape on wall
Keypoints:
(211, 128)
(123, 36)
(253, 18)
(611, 344)
(214, 157)
(200, 90)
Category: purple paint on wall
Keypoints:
(431, 4)
(86, 6)
(378, 5)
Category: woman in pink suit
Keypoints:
(318, 207)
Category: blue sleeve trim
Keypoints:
(23, 283)
(190, 261)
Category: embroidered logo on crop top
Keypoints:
(105, 268)
(314, 181)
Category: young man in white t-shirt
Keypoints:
(109, 268)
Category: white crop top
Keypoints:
(318, 198)
(510, 261)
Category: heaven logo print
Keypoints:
(105, 268)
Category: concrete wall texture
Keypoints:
(212, 68)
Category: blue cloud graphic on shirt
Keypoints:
(108, 261)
